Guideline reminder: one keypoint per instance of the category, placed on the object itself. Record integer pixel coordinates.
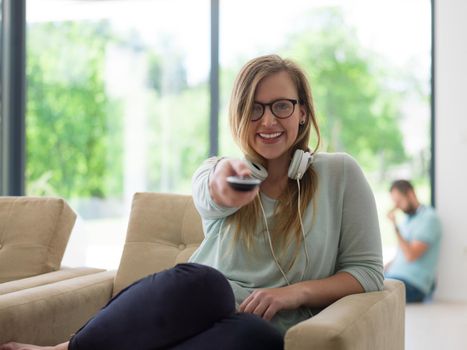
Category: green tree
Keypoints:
(357, 112)
(72, 148)
(179, 121)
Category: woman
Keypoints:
(305, 237)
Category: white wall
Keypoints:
(451, 145)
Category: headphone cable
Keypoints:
(270, 244)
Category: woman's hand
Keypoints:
(221, 192)
(267, 302)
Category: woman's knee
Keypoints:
(196, 286)
(187, 286)
(190, 276)
(202, 279)
(198, 271)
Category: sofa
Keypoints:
(163, 230)
(34, 233)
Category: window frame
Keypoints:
(13, 102)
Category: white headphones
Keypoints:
(297, 168)
(300, 162)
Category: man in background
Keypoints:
(418, 238)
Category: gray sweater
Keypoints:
(343, 236)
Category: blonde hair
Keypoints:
(286, 223)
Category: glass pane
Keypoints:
(118, 103)
(370, 78)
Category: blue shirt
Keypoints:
(423, 226)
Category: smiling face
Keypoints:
(271, 137)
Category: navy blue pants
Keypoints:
(189, 306)
(412, 293)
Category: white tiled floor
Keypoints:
(436, 325)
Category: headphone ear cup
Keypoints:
(300, 162)
(257, 171)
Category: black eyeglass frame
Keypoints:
(264, 105)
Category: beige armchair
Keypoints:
(34, 233)
(165, 229)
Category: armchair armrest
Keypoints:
(46, 278)
(361, 321)
(51, 313)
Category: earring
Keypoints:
(302, 122)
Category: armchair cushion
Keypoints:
(51, 313)
(46, 278)
(164, 230)
(34, 233)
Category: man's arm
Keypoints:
(412, 250)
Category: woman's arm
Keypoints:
(221, 192)
(211, 192)
(359, 249)
(316, 293)
(212, 195)
(323, 292)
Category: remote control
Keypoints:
(243, 183)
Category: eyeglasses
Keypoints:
(282, 108)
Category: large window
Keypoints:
(118, 96)
(118, 102)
